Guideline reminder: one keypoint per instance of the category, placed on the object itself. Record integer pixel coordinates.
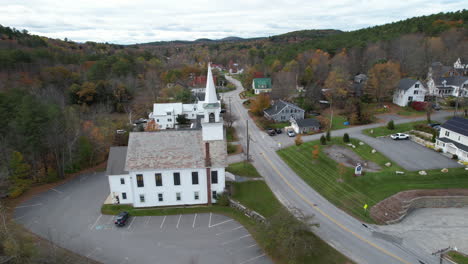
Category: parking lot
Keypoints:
(69, 216)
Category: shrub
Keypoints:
(346, 138)
(223, 199)
(418, 106)
(231, 148)
(298, 140)
(328, 135)
(425, 128)
(439, 150)
(323, 140)
(391, 125)
(454, 156)
(434, 136)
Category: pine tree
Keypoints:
(391, 125)
(346, 138)
(328, 135)
(323, 140)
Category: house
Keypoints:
(409, 90)
(359, 82)
(261, 85)
(448, 86)
(305, 126)
(165, 114)
(282, 111)
(453, 137)
(172, 167)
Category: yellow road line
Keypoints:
(331, 218)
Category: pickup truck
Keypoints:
(399, 136)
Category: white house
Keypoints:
(165, 114)
(409, 90)
(448, 86)
(172, 167)
(453, 137)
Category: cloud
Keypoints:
(138, 21)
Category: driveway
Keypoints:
(409, 155)
(69, 215)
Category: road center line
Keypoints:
(162, 223)
(24, 206)
(178, 221)
(314, 206)
(92, 227)
(194, 219)
(230, 220)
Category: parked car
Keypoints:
(121, 219)
(271, 131)
(399, 136)
(278, 130)
(436, 107)
(141, 121)
(120, 131)
(291, 133)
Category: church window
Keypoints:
(211, 118)
(140, 182)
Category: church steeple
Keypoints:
(210, 91)
(212, 123)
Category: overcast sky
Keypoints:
(138, 21)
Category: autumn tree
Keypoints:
(19, 174)
(260, 103)
(298, 140)
(338, 85)
(383, 79)
(284, 84)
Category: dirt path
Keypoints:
(349, 158)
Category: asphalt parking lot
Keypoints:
(69, 215)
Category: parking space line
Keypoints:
(209, 223)
(24, 206)
(195, 218)
(178, 221)
(247, 247)
(227, 221)
(239, 227)
(234, 240)
(55, 190)
(131, 222)
(147, 220)
(162, 223)
(92, 227)
(251, 259)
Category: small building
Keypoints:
(261, 85)
(453, 137)
(282, 111)
(305, 126)
(409, 90)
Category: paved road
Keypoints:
(69, 215)
(340, 230)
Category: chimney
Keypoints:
(208, 172)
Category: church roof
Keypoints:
(210, 91)
(116, 161)
(180, 149)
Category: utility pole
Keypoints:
(248, 139)
(230, 111)
(442, 253)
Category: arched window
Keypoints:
(212, 118)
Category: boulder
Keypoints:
(444, 170)
(372, 131)
(353, 146)
(373, 151)
(399, 172)
(422, 172)
(361, 143)
(388, 164)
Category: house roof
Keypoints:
(457, 124)
(116, 161)
(172, 150)
(162, 108)
(278, 106)
(451, 81)
(308, 122)
(262, 83)
(406, 83)
(457, 144)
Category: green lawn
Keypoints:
(384, 131)
(231, 134)
(351, 193)
(257, 196)
(245, 169)
(458, 257)
(279, 124)
(338, 122)
(407, 111)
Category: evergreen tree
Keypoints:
(323, 140)
(346, 138)
(391, 125)
(328, 135)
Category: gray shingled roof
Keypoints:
(308, 122)
(172, 150)
(116, 161)
(453, 80)
(406, 83)
(457, 124)
(278, 106)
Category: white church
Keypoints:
(173, 167)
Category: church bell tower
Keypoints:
(212, 123)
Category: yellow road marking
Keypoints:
(329, 217)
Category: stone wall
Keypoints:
(246, 211)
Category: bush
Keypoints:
(323, 140)
(425, 128)
(231, 148)
(328, 135)
(439, 150)
(418, 106)
(346, 138)
(298, 140)
(434, 136)
(391, 125)
(454, 156)
(223, 199)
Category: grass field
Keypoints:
(338, 122)
(279, 124)
(409, 111)
(257, 196)
(245, 169)
(339, 185)
(458, 257)
(384, 131)
(231, 134)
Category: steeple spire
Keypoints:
(210, 91)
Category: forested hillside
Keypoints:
(61, 101)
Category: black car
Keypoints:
(271, 131)
(121, 219)
(278, 130)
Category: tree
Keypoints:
(391, 125)
(284, 84)
(383, 79)
(338, 86)
(298, 140)
(323, 140)
(260, 103)
(346, 138)
(19, 174)
(328, 135)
